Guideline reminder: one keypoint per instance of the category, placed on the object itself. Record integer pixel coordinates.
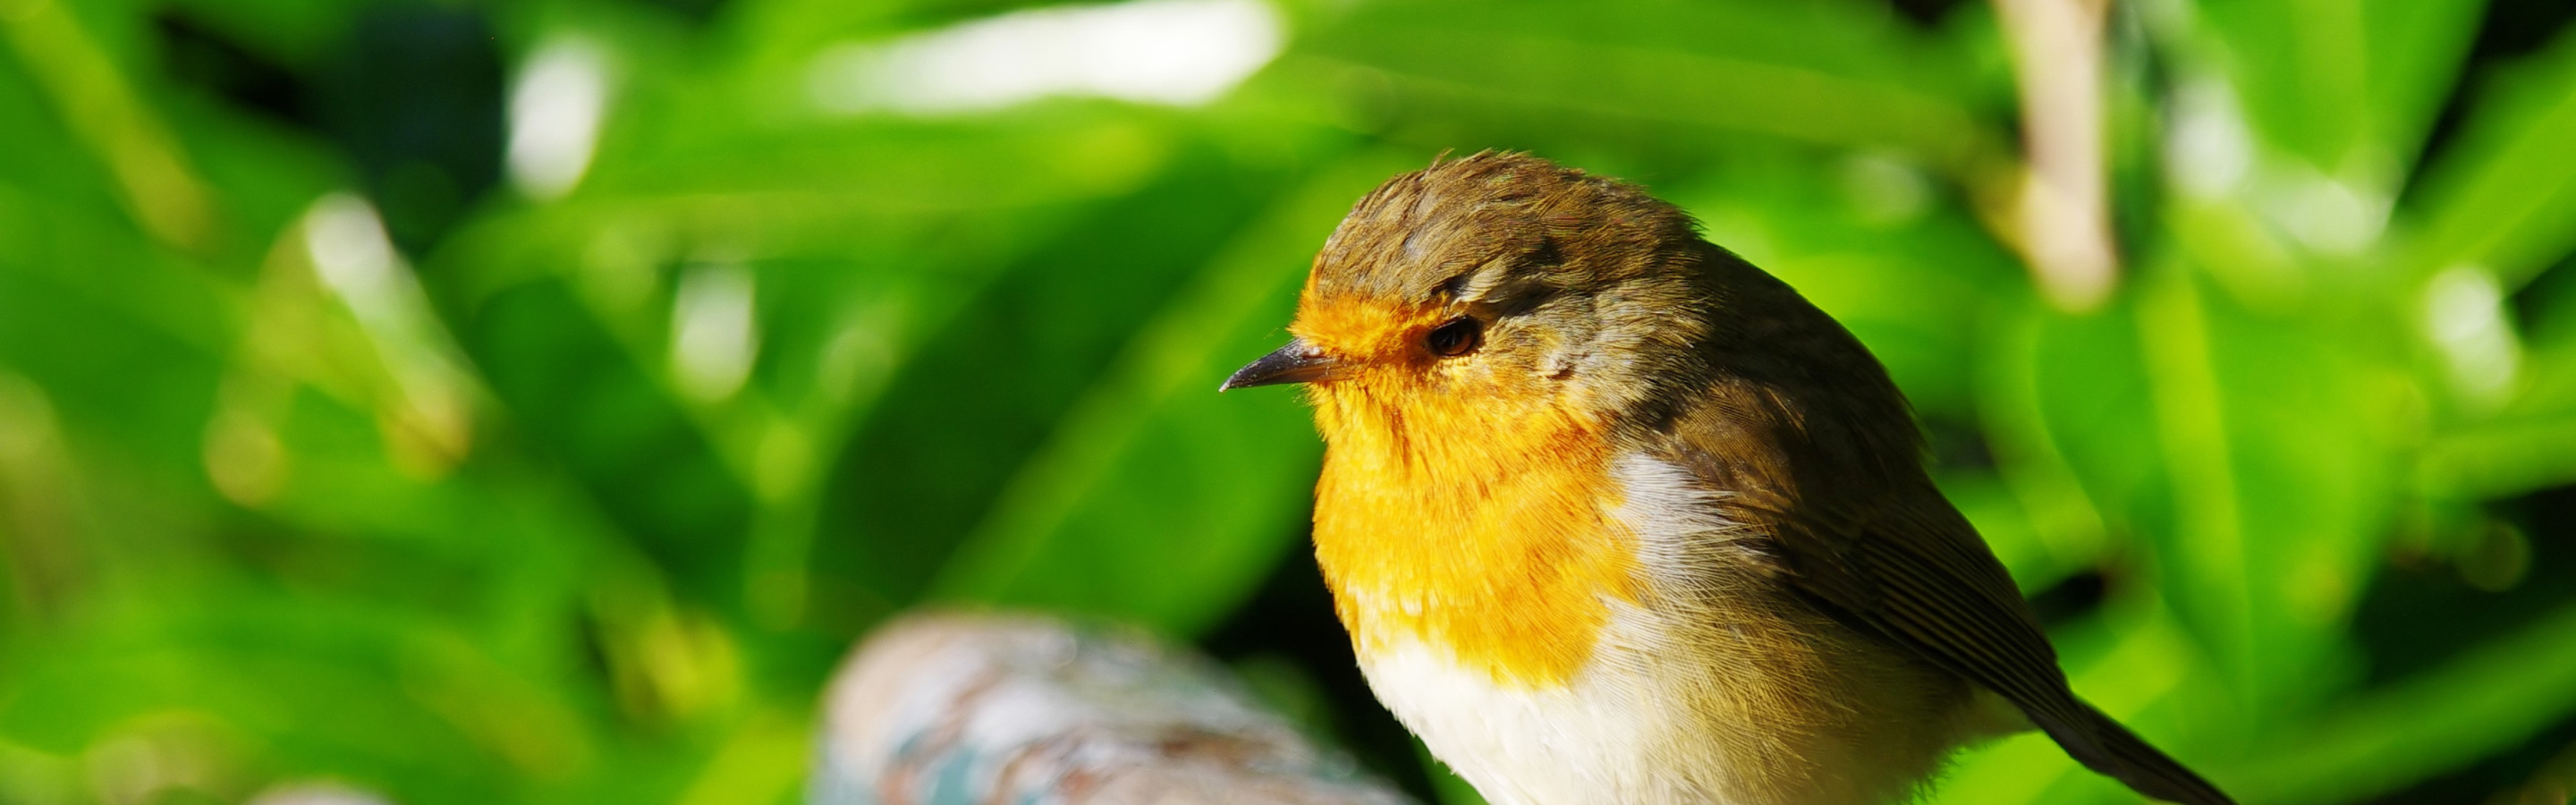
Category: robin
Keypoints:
(1612, 515)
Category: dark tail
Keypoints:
(2102, 745)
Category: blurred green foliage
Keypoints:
(578, 498)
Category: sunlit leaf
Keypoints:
(2505, 198)
(1157, 500)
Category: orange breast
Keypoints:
(1481, 529)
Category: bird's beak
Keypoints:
(1298, 362)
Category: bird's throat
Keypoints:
(1480, 530)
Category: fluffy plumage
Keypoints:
(1662, 533)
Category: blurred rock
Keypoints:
(949, 707)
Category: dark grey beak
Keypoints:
(1298, 362)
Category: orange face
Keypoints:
(1383, 338)
(1468, 337)
(1463, 502)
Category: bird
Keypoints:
(1612, 515)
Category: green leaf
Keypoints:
(990, 385)
(1818, 72)
(2279, 477)
(2335, 81)
(2487, 700)
(1156, 500)
(2504, 197)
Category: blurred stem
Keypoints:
(152, 175)
(2062, 210)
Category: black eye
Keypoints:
(1459, 337)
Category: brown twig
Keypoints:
(2062, 210)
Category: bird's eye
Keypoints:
(1458, 337)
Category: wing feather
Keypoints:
(1876, 545)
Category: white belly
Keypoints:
(1608, 737)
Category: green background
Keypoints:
(579, 499)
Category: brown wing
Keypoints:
(1859, 528)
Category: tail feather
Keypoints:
(2102, 745)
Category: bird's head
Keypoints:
(1498, 282)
